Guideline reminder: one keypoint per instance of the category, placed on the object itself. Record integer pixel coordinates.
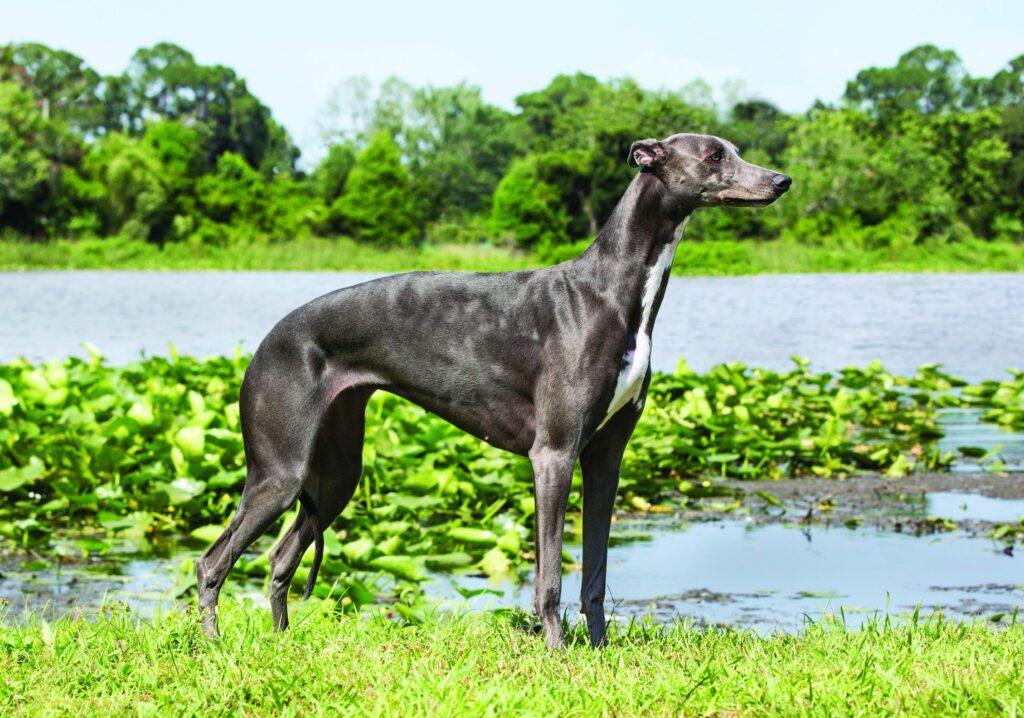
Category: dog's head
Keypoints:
(706, 171)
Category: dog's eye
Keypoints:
(716, 156)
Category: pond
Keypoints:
(973, 324)
(777, 576)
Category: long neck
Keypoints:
(629, 256)
(642, 221)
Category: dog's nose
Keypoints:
(782, 182)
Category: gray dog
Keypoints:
(551, 363)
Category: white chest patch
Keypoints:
(636, 361)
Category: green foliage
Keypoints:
(581, 130)
(136, 202)
(889, 188)
(1002, 400)
(746, 423)
(920, 153)
(527, 211)
(168, 84)
(926, 80)
(331, 174)
(233, 190)
(377, 205)
(463, 146)
(23, 164)
(65, 87)
(455, 146)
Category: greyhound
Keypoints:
(551, 363)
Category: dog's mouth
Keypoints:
(748, 201)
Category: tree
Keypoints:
(168, 84)
(64, 86)
(1006, 88)
(331, 174)
(136, 202)
(377, 205)
(526, 210)
(581, 131)
(854, 175)
(976, 157)
(925, 79)
(180, 151)
(24, 166)
(232, 193)
(330, 177)
(454, 145)
(41, 191)
(543, 111)
(459, 147)
(759, 125)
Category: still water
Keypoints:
(776, 576)
(769, 577)
(971, 323)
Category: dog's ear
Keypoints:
(646, 153)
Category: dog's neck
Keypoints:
(629, 265)
(644, 227)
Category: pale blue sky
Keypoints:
(293, 53)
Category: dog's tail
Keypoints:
(318, 540)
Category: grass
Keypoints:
(719, 257)
(311, 254)
(487, 665)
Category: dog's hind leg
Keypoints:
(260, 506)
(334, 475)
(281, 409)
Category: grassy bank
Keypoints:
(716, 258)
(489, 666)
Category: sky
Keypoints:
(293, 53)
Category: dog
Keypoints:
(551, 363)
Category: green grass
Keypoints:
(782, 257)
(719, 257)
(313, 254)
(488, 666)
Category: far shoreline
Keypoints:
(707, 258)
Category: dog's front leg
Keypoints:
(552, 476)
(601, 461)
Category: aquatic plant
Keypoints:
(1003, 401)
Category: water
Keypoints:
(766, 577)
(144, 584)
(963, 427)
(974, 507)
(971, 323)
(774, 576)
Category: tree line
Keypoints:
(172, 150)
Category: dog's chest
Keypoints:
(637, 358)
